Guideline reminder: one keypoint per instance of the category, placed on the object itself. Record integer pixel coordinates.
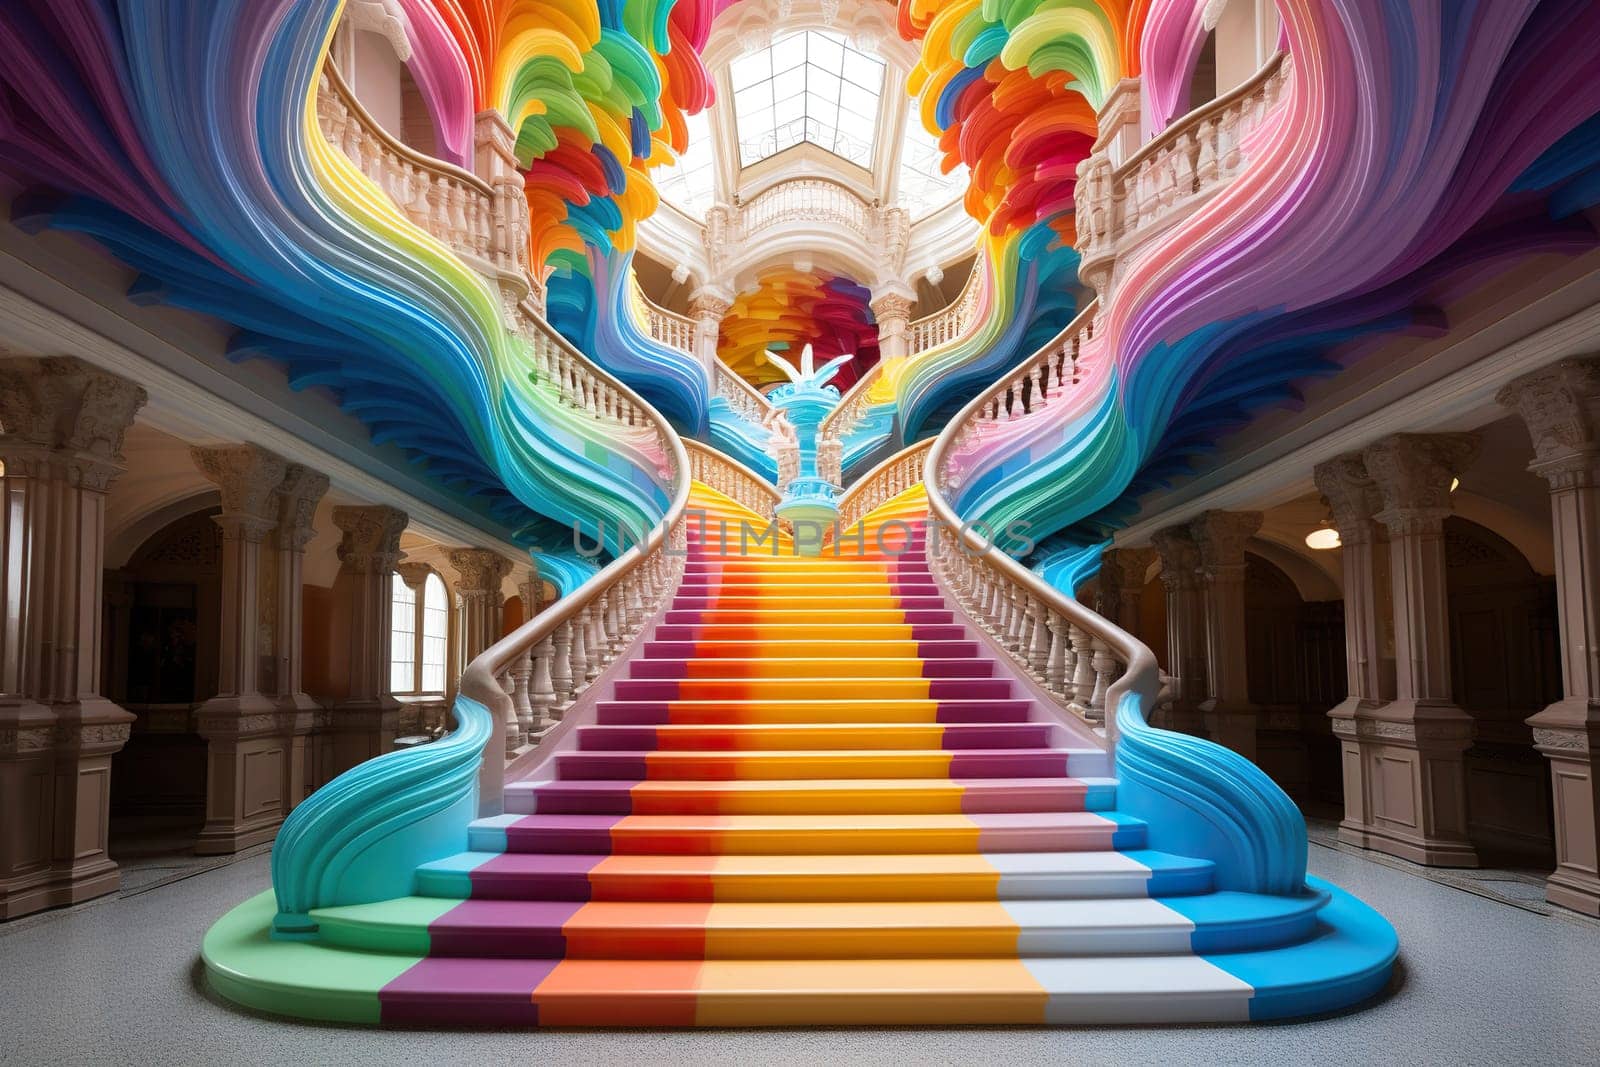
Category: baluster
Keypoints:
(1083, 673)
(565, 671)
(1039, 649)
(521, 670)
(1104, 667)
(1017, 631)
(513, 725)
(541, 687)
(1055, 671)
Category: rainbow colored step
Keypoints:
(817, 797)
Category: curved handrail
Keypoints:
(951, 321)
(884, 482)
(678, 331)
(744, 398)
(413, 805)
(847, 412)
(1200, 115)
(732, 479)
(667, 327)
(1197, 797)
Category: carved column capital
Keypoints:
(1180, 556)
(1413, 473)
(1122, 572)
(1351, 495)
(710, 307)
(413, 574)
(62, 417)
(371, 541)
(1560, 404)
(1220, 537)
(481, 570)
(248, 477)
(892, 307)
(298, 495)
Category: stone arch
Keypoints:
(1505, 666)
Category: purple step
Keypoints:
(971, 667)
(534, 876)
(776, 688)
(680, 617)
(701, 631)
(867, 763)
(745, 738)
(734, 602)
(928, 650)
(659, 712)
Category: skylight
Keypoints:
(690, 182)
(922, 187)
(808, 86)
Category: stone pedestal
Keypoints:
(298, 495)
(1186, 656)
(61, 427)
(366, 720)
(1230, 718)
(1412, 747)
(1561, 406)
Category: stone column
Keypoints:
(61, 427)
(1122, 572)
(247, 747)
(1220, 537)
(1413, 745)
(366, 720)
(892, 306)
(1186, 660)
(1561, 406)
(480, 574)
(1353, 498)
(708, 307)
(298, 495)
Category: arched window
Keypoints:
(419, 636)
(402, 637)
(435, 626)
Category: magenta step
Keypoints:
(738, 738)
(659, 712)
(928, 650)
(727, 631)
(775, 688)
(868, 763)
(915, 616)
(970, 667)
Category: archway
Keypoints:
(161, 658)
(1505, 665)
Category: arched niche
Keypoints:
(1504, 665)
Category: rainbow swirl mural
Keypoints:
(232, 202)
(789, 309)
(1460, 138)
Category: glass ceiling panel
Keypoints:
(812, 87)
(922, 188)
(690, 183)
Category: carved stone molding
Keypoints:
(892, 307)
(1351, 495)
(1565, 740)
(62, 417)
(298, 495)
(482, 570)
(247, 475)
(1180, 556)
(371, 541)
(1413, 474)
(704, 307)
(1220, 538)
(1560, 405)
(1122, 572)
(413, 574)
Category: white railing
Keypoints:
(952, 321)
(1083, 660)
(883, 483)
(667, 327)
(809, 200)
(851, 409)
(1038, 382)
(1185, 164)
(747, 401)
(732, 479)
(485, 222)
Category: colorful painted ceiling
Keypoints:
(789, 309)
(1416, 150)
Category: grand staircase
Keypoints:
(815, 796)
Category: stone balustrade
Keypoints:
(951, 322)
(483, 219)
(731, 479)
(1121, 207)
(883, 483)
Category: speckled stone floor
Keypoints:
(1482, 982)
